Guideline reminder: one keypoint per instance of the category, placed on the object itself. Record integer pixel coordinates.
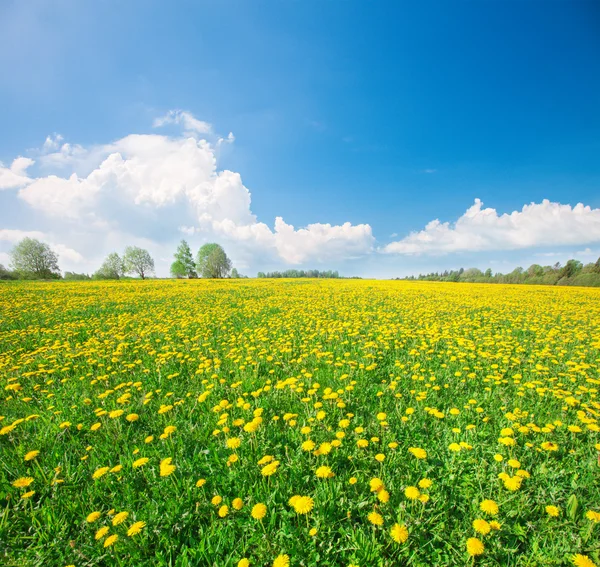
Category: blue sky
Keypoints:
(383, 115)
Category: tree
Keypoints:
(75, 277)
(6, 274)
(234, 274)
(184, 265)
(112, 268)
(212, 262)
(34, 259)
(138, 261)
(178, 270)
(571, 268)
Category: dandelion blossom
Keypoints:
(412, 492)
(399, 533)
(91, 518)
(418, 452)
(243, 563)
(23, 482)
(303, 504)
(582, 561)
(281, 561)
(552, 511)
(593, 516)
(166, 468)
(110, 540)
(101, 532)
(237, 503)
(481, 526)
(119, 518)
(259, 511)
(324, 472)
(375, 518)
(140, 462)
(223, 511)
(489, 507)
(31, 455)
(135, 528)
(100, 472)
(474, 546)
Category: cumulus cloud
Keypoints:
(535, 225)
(186, 119)
(156, 187)
(16, 175)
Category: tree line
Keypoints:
(299, 274)
(32, 259)
(572, 273)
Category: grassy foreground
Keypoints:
(333, 423)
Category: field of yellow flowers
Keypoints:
(295, 422)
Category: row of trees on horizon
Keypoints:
(32, 259)
(572, 273)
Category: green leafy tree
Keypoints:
(184, 265)
(212, 262)
(138, 261)
(178, 270)
(34, 259)
(234, 274)
(112, 268)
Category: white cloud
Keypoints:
(537, 224)
(185, 119)
(154, 187)
(52, 142)
(16, 175)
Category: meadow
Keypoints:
(241, 423)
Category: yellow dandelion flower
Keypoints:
(259, 511)
(481, 526)
(383, 496)
(303, 504)
(324, 472)
(376, 484)
(91, 518)
(23, 482)
(474, 547)
(418, 452)
(100, 472)
(243, 563)
(580, 560)
(237, 503)
(270, 469)
(425, 483)
(31, 455)
(101, 532)
(223, 511)
(552, 511)
(200, 482)
(233, 443)
(593, 516)
(352, 480)
(119, 518)
(375, 518)
(132, 417)
(489, 507)
(27, 495)
(281, 561)
(308, 445)
(110, 540)
(166, 467)
(140, 462)
(412, 492)
(399, 533)
(135, 528)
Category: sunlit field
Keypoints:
(298, 422)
